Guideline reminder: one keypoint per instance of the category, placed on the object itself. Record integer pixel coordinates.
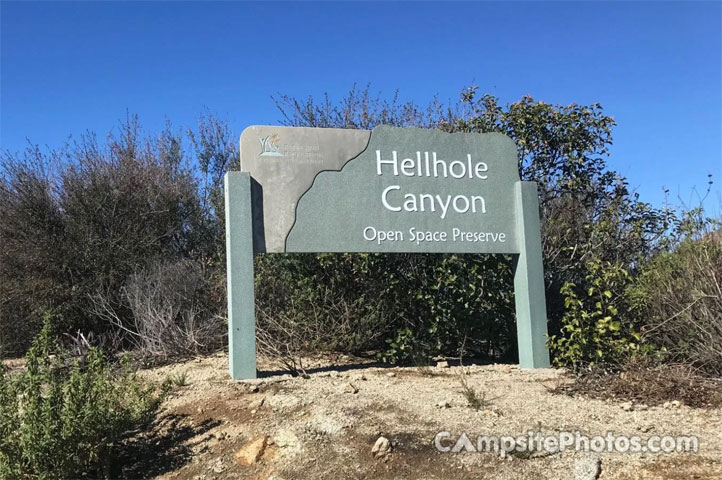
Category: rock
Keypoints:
(218, 466)
(249, 453)
(325, 425)
(627, 406)
(253, 388)
(641, 407)
(587, 468)
(675, 404)
(288, 442)
(442, 364)
(443, 404)
(646, 428)
(391, 374)
(282, 401)
(381, 448)
(351, 388)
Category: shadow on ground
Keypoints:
(360, 363)
(166, 447)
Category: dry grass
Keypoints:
(650, 385)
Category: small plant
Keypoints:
(63, 420)
(427, 371)
(179, 379)
(474, 399)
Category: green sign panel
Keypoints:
(388, 190)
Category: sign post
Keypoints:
(386, 190)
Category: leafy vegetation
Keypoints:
(65, 420)
(125, 239)
(594, 331)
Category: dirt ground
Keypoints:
(325, 426)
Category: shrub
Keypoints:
(83, 219)
(65, 421)
(680, 295)
(174, 306)
(596, 328)
(299, 310)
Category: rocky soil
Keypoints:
(359, 421)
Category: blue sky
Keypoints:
(655, 67)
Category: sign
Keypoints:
(386, 190)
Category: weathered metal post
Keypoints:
(239, 271)
(529, 295)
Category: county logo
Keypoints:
(269, 146)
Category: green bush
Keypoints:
(406, 307)
(59, 420)
(597, 328)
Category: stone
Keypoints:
(217, 466)
(281, 401)
(587, 468)
(443, 404)
(288, 443)
(391, 374)
(249, 453)
(442, 364)
(381, 448)
(627, 406)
